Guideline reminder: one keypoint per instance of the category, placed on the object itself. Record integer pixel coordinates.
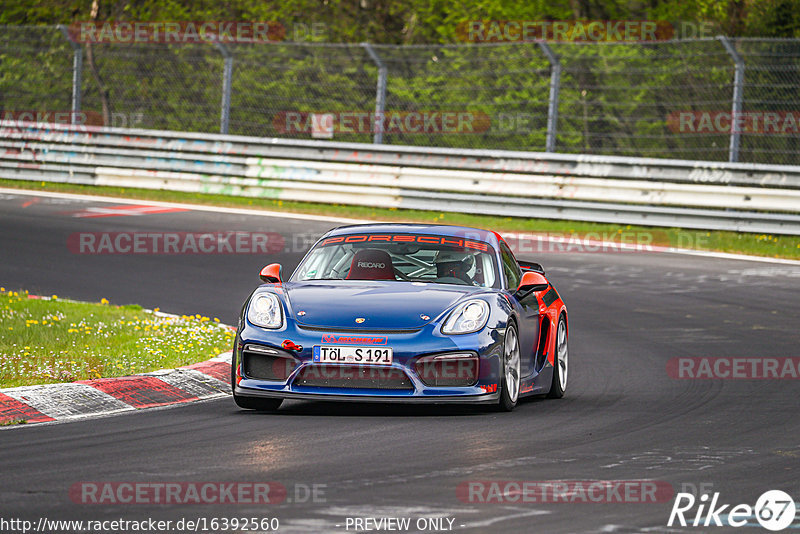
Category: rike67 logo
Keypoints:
(774, 510)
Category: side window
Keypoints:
(510, 267)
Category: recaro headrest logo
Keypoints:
(371, 265)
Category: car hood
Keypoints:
(382, 305)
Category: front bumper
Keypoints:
(407, 348)
(482, 398)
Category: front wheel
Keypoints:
(509, 389)
(560, 361)
(257, 403)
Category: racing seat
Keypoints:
(371, 264)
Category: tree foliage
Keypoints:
(419, 21)
(614, 99)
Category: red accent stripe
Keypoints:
(141, 392)
(11, 409)
(219, 370)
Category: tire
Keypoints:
(560, 361)
(250, 403)
(257, 403)
(510, 382)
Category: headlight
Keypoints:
(265, 310)
(468, 317)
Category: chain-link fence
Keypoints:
(705, 99)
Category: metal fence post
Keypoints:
(380, 95)
(552, 104)
(227, 78)
(738, 91)
(77, 73)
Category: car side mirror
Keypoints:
(531, 266)
(532, 281)
(271, 274)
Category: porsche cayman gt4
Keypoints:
(402, 313)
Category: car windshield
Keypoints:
(401, 257)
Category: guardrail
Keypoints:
(655, 192)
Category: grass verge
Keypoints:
(47, 340)
(11, 422)
(773, 246)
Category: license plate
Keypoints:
(344, 354)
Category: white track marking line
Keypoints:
(191, 207)
(325, 218)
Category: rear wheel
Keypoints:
(509, 389)
(560, 361)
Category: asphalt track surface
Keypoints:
(623, 417)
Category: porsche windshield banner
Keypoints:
(446, 241)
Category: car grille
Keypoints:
(458, 370)
(267, 363)
(353, 377)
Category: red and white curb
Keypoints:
(105, 396)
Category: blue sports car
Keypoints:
(402, 313)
